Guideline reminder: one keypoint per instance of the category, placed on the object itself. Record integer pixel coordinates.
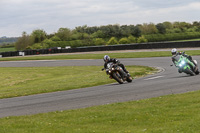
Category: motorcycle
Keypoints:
(186, 66)
(116, 72)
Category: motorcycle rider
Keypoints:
(175, 53)
(107, 60)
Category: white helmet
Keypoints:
(106, 58)
(174, 51)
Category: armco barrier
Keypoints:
(154, 45)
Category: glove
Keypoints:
(102, 69)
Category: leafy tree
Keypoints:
(64, 34)
(50, 35)
(168, 25)
(176, 30)
(91, 30)
(125, 31)
(181, 25)
(23, 42)
(149, 28)
(196, 23)
(161, 28)
(76, 35)
(116, 31)
(38, 35)
(55, 38)
(135, 30)
(98, 34)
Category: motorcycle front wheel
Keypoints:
(189, 71)
(119, 80)
(129, 79)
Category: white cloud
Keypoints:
(26, 15)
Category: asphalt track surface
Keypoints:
(167, 81)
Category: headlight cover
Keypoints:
(182, 63)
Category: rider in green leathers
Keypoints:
(175, 53)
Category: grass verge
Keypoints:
(100, 56)
(34, 80)
(168, 114)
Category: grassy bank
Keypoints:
(100, 56)
(7, 49)
(35, 80)
(168, 114)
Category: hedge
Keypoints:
(172, 36)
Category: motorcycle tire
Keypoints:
(129, 79)
(197, 72)
(119, 80)
(189, 71)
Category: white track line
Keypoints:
(154, 77)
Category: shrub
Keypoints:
(76, 43)
(123, 41)
(142, 39)
(132, 39)
(36, 46)
(99, 41)
(172, 36)
(112, 41)
(49, 43)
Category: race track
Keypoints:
(167, 81)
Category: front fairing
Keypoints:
(181, 62)
(109, 68)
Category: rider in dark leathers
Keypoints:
(107, 60)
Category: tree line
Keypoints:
(109, 35)
(6, 40)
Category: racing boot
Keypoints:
(126, 72)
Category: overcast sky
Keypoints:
(17, 16)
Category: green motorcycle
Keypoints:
(185, 65)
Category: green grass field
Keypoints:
(198, 39)
(7, 49)
(166, 114)
(100, 56)
(34, 80)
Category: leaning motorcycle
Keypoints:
(116, 72)
(186, 66)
